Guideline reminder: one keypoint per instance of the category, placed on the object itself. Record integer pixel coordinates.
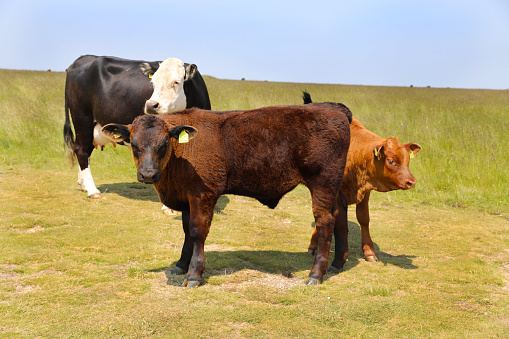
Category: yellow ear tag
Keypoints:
(376, 152)
(411, 154)
(183, 137)
(116, 136)
(150, 76)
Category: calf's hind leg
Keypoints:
(340, 235)
(324, 210)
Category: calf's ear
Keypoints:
(378, 151)
(412, 149)
(183, 133)
(190, 71)
(117, 132)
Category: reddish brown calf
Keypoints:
(262, 153)
(373, 163)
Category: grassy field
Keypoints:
(75, 267)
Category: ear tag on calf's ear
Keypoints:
(378, 154)
(150, 76)
(183, 137)
(411, 154)
(116, 135)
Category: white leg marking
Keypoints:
(87, 183)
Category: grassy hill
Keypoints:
(75, 267)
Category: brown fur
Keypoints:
(262, 153)
(365, 172)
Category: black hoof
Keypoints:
(178, 271)
(334, 270)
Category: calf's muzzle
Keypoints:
(409, 183)
(149, 176)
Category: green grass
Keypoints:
(75, 267)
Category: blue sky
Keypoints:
(438, 43)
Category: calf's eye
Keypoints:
(135, 148)
(162, 148)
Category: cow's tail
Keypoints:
(68, 134)
(306, 97)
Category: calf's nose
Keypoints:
(410, 183)
(151, 107)
(149, 176)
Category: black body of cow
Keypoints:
(107, 90)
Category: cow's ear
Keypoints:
(117, 132)
(149, 68)
(183, 133)
(378, 151)
(412, 149)
(190, 71)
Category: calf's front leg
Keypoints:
(187, 249)
(201, 212)
(362, 211)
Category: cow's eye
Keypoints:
(176, 83)
(390, 161)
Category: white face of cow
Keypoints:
(168, 82)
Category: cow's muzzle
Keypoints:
(408, 184)
(149, 176)
(151, 107)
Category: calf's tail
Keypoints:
(306, 97)
(68, 135)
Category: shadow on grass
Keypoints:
(356, 254)
(132, 190)
(220, 263)
(284, 263)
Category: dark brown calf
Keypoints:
(263, 153)
(373, 163)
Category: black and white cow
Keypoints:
(102, 90)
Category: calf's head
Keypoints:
(392, 159)
(168, 82)
(151, 142)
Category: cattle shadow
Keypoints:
(284, 263)
(220, 263)
(131, 190)
(356, 255)
(144, 192)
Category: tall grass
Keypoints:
(31, 109)
(464, 158)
